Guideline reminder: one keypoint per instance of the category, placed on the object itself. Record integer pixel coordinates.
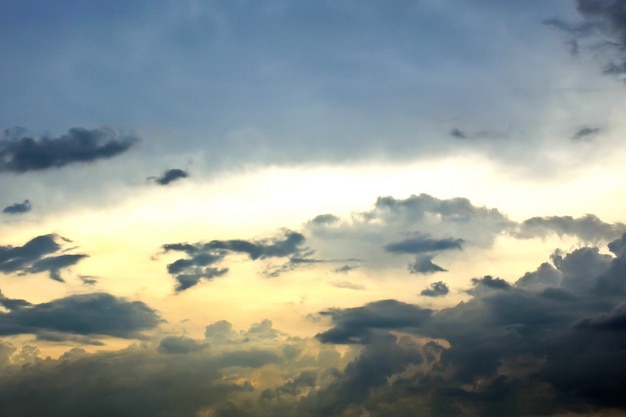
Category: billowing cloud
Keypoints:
(202, 256)
(18, 208)
(40, 254)
(170, 175)
(21, 153)
(436, 289)
(96, 314)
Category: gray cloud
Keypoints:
(424, 265)
(436, 289)
(169, 176)
(95, 314)
(180, 345)
(588, 228)
(21, 153)
(586, 133)
(37, 256)
(202, 256)
(422, 244)
(18, 208)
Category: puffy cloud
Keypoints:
(18, 208)
(21, 153)
(588, 228)
(169, 176)
(424, 265)
(38, 255)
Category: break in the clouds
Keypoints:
(18, 208)
(40, 254)
(202, 257)
(20, 152)
(169, 176)
(96, 314)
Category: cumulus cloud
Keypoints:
(202, 256)
(21, 153)
(18, 208)
(40, 254)
(588, 228)
(169, 176)
(424, 265)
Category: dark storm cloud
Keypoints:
(436, 289)
(38, 255)
(588, 228)
(169, 176)
(18, 208)
(586, 133)
(424, 265)
(547, 344)
(203, 256)
(87, 315)
(424, 244)
(604, 25)
(21, 153)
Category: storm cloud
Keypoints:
(21, 153)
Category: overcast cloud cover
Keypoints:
(312, 208)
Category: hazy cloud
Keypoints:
(169, 176)
(21, 153)
(586, 133)
(18, 208)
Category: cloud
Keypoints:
(169, 176)
(436, 289)
(38, 255)
(96, 314)
(180, 345)
(422, 244)
(18, 208)
(203, 255)
(21, 153)
(588, 228)
(424, 265)
(586, 133)
(347, 285)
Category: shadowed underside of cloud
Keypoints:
(96, 314)
(169, 176)
(21, 153)
(436, 289)
(18, 208)
(40, 254)
(588, 228)
(203, 256)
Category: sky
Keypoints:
(313, 208)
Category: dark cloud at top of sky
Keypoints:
(96, 314)
(170, 175)
(202, 256)
(586, 133)
(18, 208)
(21, 153)
(604, 17)
(40, 254)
